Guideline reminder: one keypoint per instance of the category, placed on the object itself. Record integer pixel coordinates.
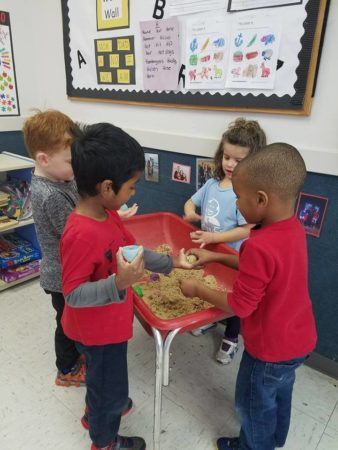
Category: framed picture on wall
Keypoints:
(152, 169)
(204, 171)
(311, 211)
(181, 173)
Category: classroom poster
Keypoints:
(9, 102)
(115, 60)
(254, 47)
(206, 52)
(161, 56)
(112, 14)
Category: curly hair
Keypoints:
(241, 132)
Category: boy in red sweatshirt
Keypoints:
(96, 280)
(270, 295)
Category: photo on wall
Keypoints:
(152, 170)
(205, 168)
(311, 211)
(181, 173)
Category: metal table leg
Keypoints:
(158, 387)
(161, 376)
(166, 355)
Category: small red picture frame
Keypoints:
(181, 173)
(311, 211)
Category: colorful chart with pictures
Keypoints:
(205, 53)
(9, 104)
(115, 60)
(254, 47)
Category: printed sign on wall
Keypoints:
(112, 14)
(205, 52)
(253, 53)
(160, 53)
(9, 102)
(115, 60)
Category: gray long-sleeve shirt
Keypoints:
(52, 202)
(104, 292)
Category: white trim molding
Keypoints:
(317, 161)
(325, 162)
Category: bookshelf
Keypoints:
(19, 167)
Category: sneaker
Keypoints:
(227, 443)
(76, 377)
(124, 443)
(204, 329)
(126, 410)
(226, 351)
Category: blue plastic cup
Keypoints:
(130, 251)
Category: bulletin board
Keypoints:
(223, 56)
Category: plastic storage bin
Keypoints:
(151, 230)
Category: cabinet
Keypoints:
(18, 167)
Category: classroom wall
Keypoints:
(183, 134)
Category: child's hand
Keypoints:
(129, 212)
(202, 237)
(189, 287)
(128, 273)
(192, 217)
(203, 257)
(180, 261)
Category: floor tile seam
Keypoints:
(321, 422)
(330, 426)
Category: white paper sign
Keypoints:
(178, 7)
(206, 53)
(254, 47)
(242, 5)
(161, 60)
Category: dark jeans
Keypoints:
(233, 325)
(107, 389)
(65, 350)
(263, 401)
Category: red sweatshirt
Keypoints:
(88, 253)
(270, 294)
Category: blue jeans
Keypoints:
(263, 401)
(107, 389)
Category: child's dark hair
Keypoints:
(241, 132)
(104, 152)
(278, 168)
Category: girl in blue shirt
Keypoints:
(221, 221)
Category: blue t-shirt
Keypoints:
(218, 209)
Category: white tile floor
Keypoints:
(197, 405)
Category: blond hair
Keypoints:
(47, 130)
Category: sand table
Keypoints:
(164, 297)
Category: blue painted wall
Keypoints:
(323, 252)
